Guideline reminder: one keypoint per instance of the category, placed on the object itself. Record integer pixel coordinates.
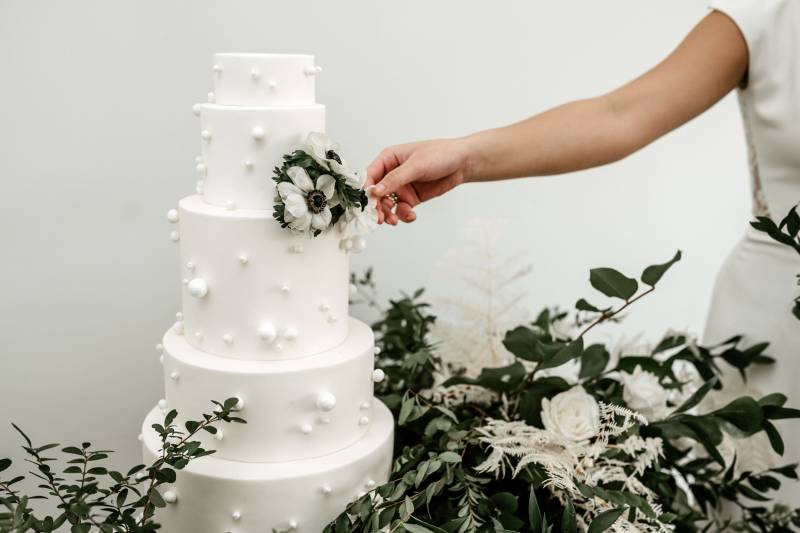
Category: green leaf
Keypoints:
(450, 457)
(613, 283)
(652, 274)
(593, 361)
(506, 502)
(569, 352)
(81, 528)
(569, 523)
(697, 396)
(774, 436)
(4, 464)
(414, 528)
(534, 513)
(155, 498)
(745, 413)
(522, 341)
(605, 520)
(583, 305)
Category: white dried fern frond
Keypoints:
(490, 284)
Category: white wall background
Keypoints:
(97, 141)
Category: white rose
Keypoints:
(644, 394)
(573, 414)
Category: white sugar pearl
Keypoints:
(332, 318)
(347, 244)
(217, 69)
(239, 403)
(377, 350)
(248, 165)
(205, 135)
(293, 524)
(175, 376)
(212, 97)
(172, 216)
(285, 288)
(201, 168)
(290, 334)
(219, 435)
(160, 348)
(140, 437)
(258, 133)
(200, 186)
(363, 421)
(306, 429)
(161, 359)
(162, 404)
(185, 281)
(178, 327)
(198, 287)
(230, 205)
(178, 316)
(297, 248)
(378, 375)
(198, 159)
(227, 338)
(243, 259)
(196, 110)
(189, 265)
(326, 401)
(324, 307)
(174, 236)
(364, 406)
(255, 74)
(279, 346)
(170, 497)
(326, 489)
(273, 84)
(370, 484)
(359, 244)
(267, 332)
(236, 515)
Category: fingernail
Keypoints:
(377, 190)
(412, 217)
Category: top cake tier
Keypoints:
(264, 79)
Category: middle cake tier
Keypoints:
(295, 409)
(254, 290)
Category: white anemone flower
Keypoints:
(357, 222)
(307, 205)
(326, 152)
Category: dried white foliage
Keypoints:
(516, 445)
(490, 295)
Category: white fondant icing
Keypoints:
(238, 88)
(245, 298)
(239, 134)
(280, 395)
(209, 487)
(198, 287)
(199, 336)
(230, 205)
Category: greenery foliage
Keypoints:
(440, 481)
(92, 497)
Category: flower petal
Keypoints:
(301, 223)
(300, 178)
(327, 185)
(296, 205)
(321, 220)
(287, 188)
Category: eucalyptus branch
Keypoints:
(609, 315)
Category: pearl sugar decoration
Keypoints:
(258, 133)
(378, 375)
(198, 287)
(306, 429)
(255, 74)
(212, 97)
(363, 421)
(243, 259)
(174, 236)
(267, 332)
(217, 69)
(196, 110)
(227, 338)
(170, 497)
(290, 334)
(175, 376)
(205, 135)
(326, 401)
(172, 216)
(248, 165)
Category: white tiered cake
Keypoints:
(265, 319)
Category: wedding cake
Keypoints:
(264, 250)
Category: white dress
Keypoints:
(754, 291)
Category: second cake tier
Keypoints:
(254, 290)
(295, 409)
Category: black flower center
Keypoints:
(316, 201)
(330, 154)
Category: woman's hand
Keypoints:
(415, 172)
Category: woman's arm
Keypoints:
(708, 64)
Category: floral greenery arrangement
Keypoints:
(317, 190)
(91, 497)
(788, 233)
(641, 442)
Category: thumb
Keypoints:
(402, 175)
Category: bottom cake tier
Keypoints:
(214, 495)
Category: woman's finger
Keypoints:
(393, 180)
(405, 212)
(386, 161)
